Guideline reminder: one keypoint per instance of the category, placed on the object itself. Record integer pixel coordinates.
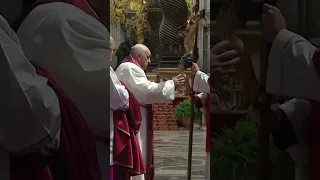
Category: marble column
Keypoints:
(204, 39)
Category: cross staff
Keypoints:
(190, 35)
(196, 52)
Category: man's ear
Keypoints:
(138, 57)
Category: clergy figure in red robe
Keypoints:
(125, 120)
(30, 120)
(131, 72)
(53, 141)
(293, 70)
(71, 39)
(202, 84)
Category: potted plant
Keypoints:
(235, 154)
(183, 113)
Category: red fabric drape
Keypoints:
(126, 151)
(208, 121)
(76, 158)
(314, 133)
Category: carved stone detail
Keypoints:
(227, 93)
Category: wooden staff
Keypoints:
(196, 52)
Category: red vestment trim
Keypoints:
(314, 133)
(208, 121)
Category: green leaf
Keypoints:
(235, 155)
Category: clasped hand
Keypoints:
(179, 80)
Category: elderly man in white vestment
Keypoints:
(30, 111)
(69, 38)
(293, 70)
(131, 72)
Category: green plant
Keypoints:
(235, 154)
(183, 111)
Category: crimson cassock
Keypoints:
(127, 155)
(76, 157)
(314, 131)
(208, 121)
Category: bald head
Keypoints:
(141, 54)
(112, 47)
(139, 48)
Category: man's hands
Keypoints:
(272, 22)
(227, 57)
(179, 80)
(223, 56)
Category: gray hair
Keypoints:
(138, 48)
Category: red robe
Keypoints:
(76, 158)
(313, 130)
(127, 155)
(150, 154)
(208, 121)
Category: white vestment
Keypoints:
(119, 100)
(75, 47)
(146, 92)
(201, 84)
(291, 72)
(30, 112)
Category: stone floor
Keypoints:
(171, 155)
